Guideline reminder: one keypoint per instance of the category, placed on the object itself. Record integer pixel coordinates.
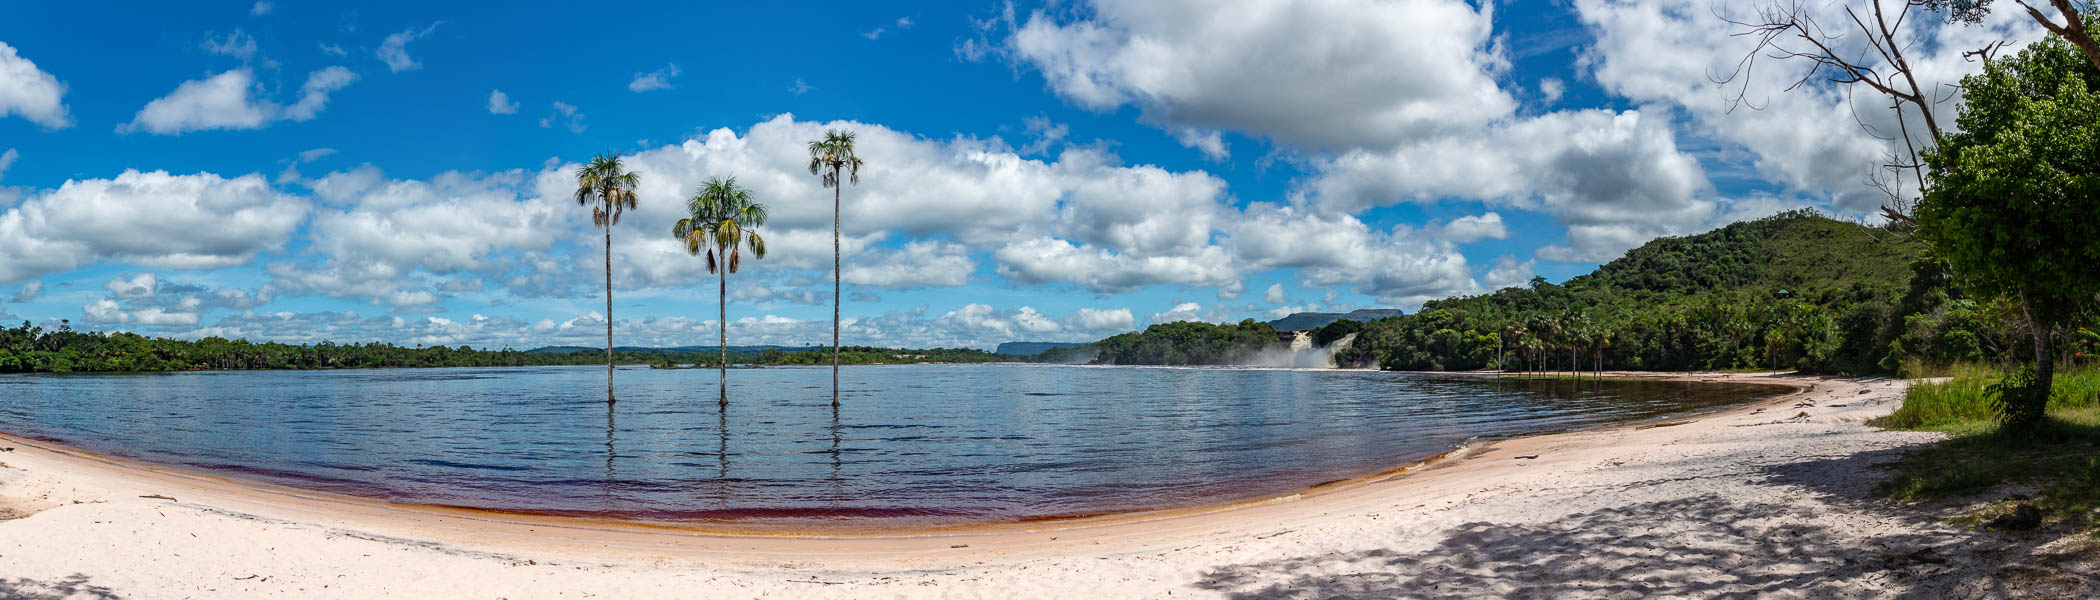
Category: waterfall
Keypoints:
(1301, 353)
(1302, 342)
(1337, 347)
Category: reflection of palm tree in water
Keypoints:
(837, 489)
(611, 479)
(722, 453)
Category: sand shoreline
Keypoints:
(1697, 508)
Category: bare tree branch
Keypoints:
(2073, 30)
(1779, 26)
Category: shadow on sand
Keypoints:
(75, 587)
(1704, 546)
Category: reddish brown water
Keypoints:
(912, 445)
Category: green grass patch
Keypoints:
(2059, 459)
(1957, 401)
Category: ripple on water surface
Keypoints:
(912, 444)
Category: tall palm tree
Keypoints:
(833, 159)
(723, 215)
(606, 187)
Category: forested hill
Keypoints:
(1791, 291)
(1798, 252)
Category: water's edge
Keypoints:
(763, 528)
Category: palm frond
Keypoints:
(694, 241)
(728, 232)
(721, 215)
(607, 187)
(752, 215)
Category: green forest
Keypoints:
(1795, 291)
(1178, 343)
(30, 348)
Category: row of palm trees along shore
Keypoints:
(723, 217)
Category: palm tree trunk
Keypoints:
(722, 324)
(835, 262)
(608, 315)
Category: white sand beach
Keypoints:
(1766, 500)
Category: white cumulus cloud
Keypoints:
(228, 101)
(153, 219)
(31, 93)
(1313, 74)
(1274, 295)
(916, 265)
(1475, 227)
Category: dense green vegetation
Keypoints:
(1032, 348)
(1792, 291)
(1795, 291)
(2059, 457)
(2008, 204)
(30, 348)
(1965, 397)
(1178, 343)
(2012, 197)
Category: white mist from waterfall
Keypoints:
(1301, 354)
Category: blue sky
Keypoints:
(400, 171)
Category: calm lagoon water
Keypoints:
(913, 444)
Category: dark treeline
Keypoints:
(31, 348)
(863, 355)
(1178, 343)
(1794, 291)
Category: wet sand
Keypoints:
(1767, 498)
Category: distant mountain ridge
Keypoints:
(1315, 320)
(1034, 348)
